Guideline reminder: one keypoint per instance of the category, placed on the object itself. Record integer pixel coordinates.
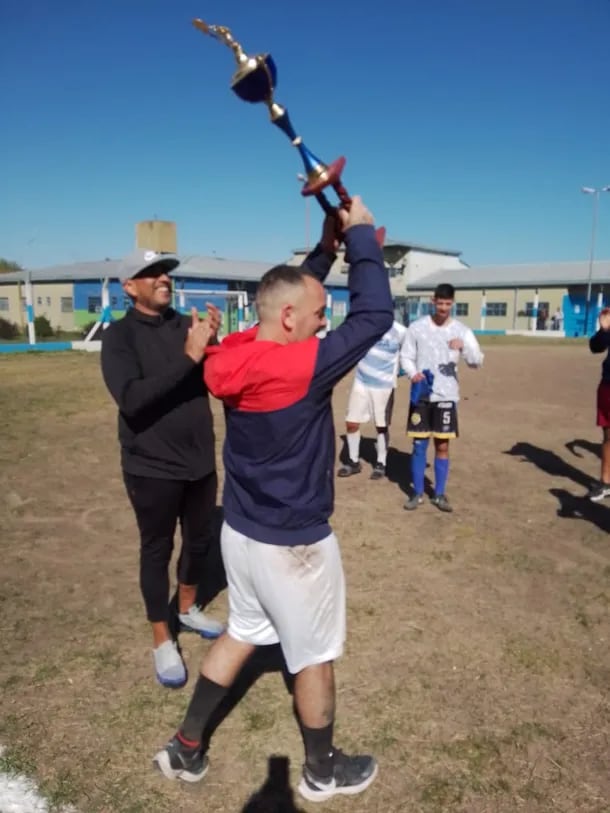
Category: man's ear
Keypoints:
(129, 287)
(287, 317)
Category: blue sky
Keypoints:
(466, 124)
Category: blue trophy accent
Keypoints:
(421, 390)
(255, 87)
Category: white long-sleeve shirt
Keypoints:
(379, 368)
(426, 347)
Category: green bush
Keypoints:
(8, 330)
(43, 328)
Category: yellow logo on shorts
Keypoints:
(416, 419)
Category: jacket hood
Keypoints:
(259, 375)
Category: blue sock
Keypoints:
(418, 464)
(441, 473)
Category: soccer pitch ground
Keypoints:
(477, 666)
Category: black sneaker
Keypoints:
(178, 761)
(378, 472)
(349, 468)
(350, 775)
(598, 492)
(442, 503)
(414, 502)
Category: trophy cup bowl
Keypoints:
(255, 81)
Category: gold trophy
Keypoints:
(254, 81)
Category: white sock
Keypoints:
(353, 446)
(382, 447)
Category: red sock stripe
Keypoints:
(188, 743)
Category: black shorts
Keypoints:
(433, 420)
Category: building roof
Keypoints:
(199, 267)
(191, 267)
(527, 275)
(194, 266)
(99, 269)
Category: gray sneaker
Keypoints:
(378, 472)
(169, 666)
(178, 761)
(414, 502)
(349, 468)
(195, 620)
(442, 503)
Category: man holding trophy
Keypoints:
(283, 564)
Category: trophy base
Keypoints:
(329, 176)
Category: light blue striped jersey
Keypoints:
(379, 368)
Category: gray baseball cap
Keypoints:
(143, 258)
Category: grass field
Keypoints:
(477, 667)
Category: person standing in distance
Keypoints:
(432, 350)
(372, 398)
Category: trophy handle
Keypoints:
(332, 177)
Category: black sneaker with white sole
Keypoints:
(350, 775)
(178, 761)
(598, 492)
(349, 468)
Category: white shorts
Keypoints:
(367, 403)
(294, 596)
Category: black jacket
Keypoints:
(165, 422)
(598, 343)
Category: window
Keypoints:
(94, 304)
(126, 303)
(66, 305)
(496, 309)
(114, 301)
(426, 308)
(39, 300)
(3, 303)
(48, 301)
(461, 308)
(542, 306)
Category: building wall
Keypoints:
(54, 300)
(505, 308)
(88, 301)
(11, 308)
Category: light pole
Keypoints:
(589, 190)
(303, 179)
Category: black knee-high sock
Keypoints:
(319, 749)
(206, 697)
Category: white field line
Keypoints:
(19, 794)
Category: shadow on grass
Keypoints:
(398, 467)
(276, 795)
(571, 506)
(549, 462)
(587, 445)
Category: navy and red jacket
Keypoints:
(279, 451)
